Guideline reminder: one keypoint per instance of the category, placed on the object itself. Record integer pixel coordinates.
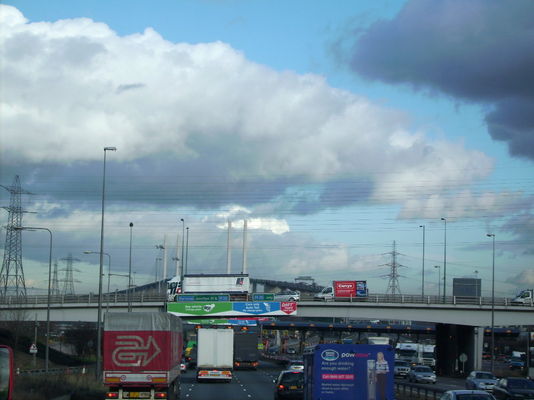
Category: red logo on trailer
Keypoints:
(345, 288)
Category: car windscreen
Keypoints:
(484, 375)
(406, 352)
(292, 379)
(471, 396)
(423, 369)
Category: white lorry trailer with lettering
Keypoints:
(237, 286)
(142, 352)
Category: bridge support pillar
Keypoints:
(452, 341)
(478, 348)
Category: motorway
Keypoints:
(246, 385)
(258, 385)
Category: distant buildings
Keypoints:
(307, 280)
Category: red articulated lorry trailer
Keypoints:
(142, 352)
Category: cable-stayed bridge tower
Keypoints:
(12, 281)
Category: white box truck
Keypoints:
(525, 296)
(215, 354)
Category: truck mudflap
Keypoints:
(132, 378)
(214, 374)
(146, 393)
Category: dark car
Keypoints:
(289, 385)
(466, 395)
(516, 363)
(514, 388)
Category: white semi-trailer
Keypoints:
(215, 354)
(235, 285)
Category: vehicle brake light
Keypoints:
(112, 395)
(227, 373)
(281, 387)
(160, 395)
(202, 373)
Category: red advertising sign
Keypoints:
(345, 288)
(288, 307)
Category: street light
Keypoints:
(33, 228)
(186, 248)
(99, 314)
(130, 272)
(492, 235)
(109, 270)
(444, 260)
(439, 279)
(182, 260)
(423, 274)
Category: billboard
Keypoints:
(234, 309)
(349, 372)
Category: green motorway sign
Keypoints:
(200, 308)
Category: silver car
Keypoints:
(402, 368)
(466, 395)
(422, 373)
(480, 380)
(287, 295)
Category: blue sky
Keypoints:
(335, 130)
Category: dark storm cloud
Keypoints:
(130, 86)
(478, 50)
(522, 227)
(513, 122)
(160, 180)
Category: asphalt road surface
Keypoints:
(246, 385)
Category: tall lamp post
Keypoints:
(33, 228)
(492, 235)
(182, 260)
(109, 270)
(444, 260)
(423, 271)
(439, 280)
(186, 247)
(99, 314)
(130, 271)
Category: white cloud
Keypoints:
(74, 85)
(462, 204)
(524, 279)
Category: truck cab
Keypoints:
(326, 294)
(174, 287)
(524, 297)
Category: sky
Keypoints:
(337, 130)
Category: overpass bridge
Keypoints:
(459, 323)
(469, 312)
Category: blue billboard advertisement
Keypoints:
(349, 372)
